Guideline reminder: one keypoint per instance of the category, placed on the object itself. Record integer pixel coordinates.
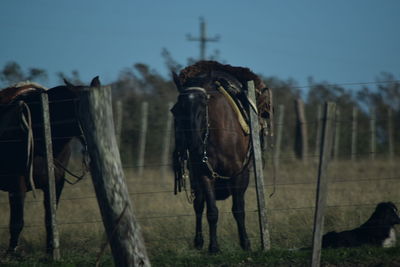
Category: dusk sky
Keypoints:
(342, 41)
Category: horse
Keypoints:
(22, 148)
(212, 139)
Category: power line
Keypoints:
(344, 84)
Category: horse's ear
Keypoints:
(95, 82)
(68, 84)
(177, 81)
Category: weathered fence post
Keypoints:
(354, 134)
(337, 135)
(50, 197)
(390, 134)
(122, 229)
(322, 184)
(142, 138)
(278, 140)
(118, 121)
(318, 134)
(373, 134)
(301, 131)
(258, 169)
(166, 144)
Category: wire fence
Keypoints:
(381, 174)
(156, 218)
(268, 185)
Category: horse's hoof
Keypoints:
(198, 242)
(14, 253)
(213, 249)
(246, 245)
(11, 250)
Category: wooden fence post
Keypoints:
(118, 121)
(337, 135)
(258, 169)
(166, 144)
(278, 140)
(390, 134)
(354, 134)
(318, 134)
(122, 229)
(142, 138)
(322, 184)
(373, 134)
(301, 131)
(51, 192)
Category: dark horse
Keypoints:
(210, 137)
(22, 148)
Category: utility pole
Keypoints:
(203, 39)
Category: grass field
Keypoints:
(167, 221)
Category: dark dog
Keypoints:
(378, 230)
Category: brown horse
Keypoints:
(22, 148)
(210, 137)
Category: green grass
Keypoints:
(167, 221)
(365, 256)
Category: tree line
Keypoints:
(140, 83)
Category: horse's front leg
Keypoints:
(238, 205)
(16, 202)
(212, 213)
(198, 205)
(49, 232)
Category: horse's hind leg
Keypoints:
(238, 206)
(16, 202)
(198, 205)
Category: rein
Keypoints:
(85, 160)
(214, 174)
(57, 163)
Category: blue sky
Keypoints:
(337, 41)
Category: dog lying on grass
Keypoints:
(378, 230)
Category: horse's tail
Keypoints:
(222, 191)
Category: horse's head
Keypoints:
(75, 89)
(191, 114)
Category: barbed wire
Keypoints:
(282, 209)
(289, 156)
(369, 179)
(214, 91)
(138, 129)
(193, 215)
(345, 84)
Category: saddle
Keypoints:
(238, 99)
(16, 119)
(7, 95)
(234, 81)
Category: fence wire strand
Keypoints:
(311, 123)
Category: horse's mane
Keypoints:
(8, 94)
(208, 66)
